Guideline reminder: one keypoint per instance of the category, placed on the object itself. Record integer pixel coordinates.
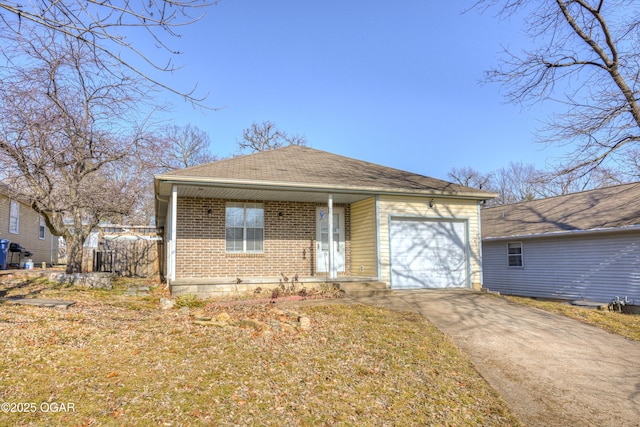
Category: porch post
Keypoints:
(332, 273)
(172, 227)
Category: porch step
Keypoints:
(364, 289)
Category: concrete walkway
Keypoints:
(551, 370)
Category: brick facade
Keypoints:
(289, 241)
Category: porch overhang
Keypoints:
(234, 192)
(276, 191)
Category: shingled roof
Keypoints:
(307, 167)
(600, 209)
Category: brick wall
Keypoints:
(289, 241)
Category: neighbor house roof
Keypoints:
(602, 209)
(306, 167)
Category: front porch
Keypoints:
(217, 287)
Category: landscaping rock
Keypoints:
(255, 324)
(90, 280)
(208, 323)
(305, 323)
(167, 303)
(201, 316)
(287, 328)
(137, 291)
(223, 317)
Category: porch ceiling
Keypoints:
(262, 194)
(258, 194)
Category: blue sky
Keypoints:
(395, 83)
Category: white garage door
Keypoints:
(428, 254)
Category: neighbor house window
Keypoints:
(41, 228)
(515, 254)
(14, 217)
(244, 224)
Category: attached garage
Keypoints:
(428, 253)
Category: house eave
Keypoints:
(563, 233)
(164, 183)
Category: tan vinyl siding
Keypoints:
(364, 242)
(459, 209)
(44, 250)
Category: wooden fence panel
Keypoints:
(129, 255)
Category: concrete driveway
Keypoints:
(551, 370)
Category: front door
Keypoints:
(322, 240)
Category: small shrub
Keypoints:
(190, 301)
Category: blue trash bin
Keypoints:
(4, 248)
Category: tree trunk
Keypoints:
(74, 253)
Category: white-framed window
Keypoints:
(41, 228)
(514, 254)
(14, 217)
(244, 228)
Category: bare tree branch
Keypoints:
(266, 136)
(587, 57)
(60, 147)
(116, 31)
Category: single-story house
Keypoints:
(20, 224)
(265, 217)
(579, 246)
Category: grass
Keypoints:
(119, 360)
(627, 325)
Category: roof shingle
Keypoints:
(304, 165)
(611, 207)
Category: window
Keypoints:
(515, 254)
(41, 228)
(244, 224)
(14, 217)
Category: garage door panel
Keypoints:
(428, 254)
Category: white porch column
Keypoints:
(173, 211)
(332, 272)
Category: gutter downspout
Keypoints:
(332, 273)
(480, 247)
(171, 276)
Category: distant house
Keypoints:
(579, 246)
(21, 224)
(298, 212)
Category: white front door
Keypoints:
(322, 240)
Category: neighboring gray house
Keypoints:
(580, 246)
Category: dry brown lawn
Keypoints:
(627, 325)
(119, 360)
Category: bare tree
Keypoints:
(174, 147)
(560, 183)
(470, 177)
(116, 32)
(588, 59)
(266, 136)
(181, 147)
(517, 182)
(68, 130)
